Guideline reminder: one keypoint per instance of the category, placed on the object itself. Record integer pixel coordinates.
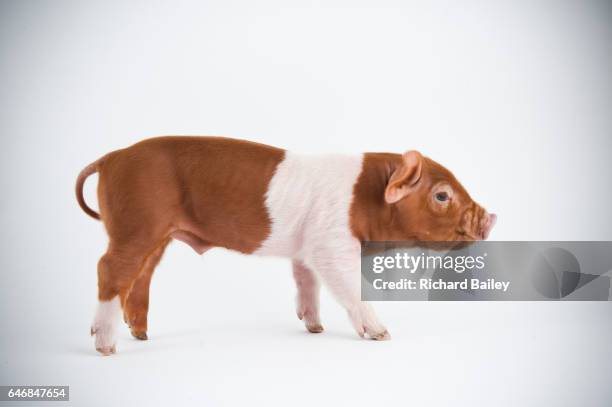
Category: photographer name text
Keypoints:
(455, 264)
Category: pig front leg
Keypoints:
(308, 289)
(340, 272)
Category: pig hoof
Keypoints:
(381, 336)
(142, 335)
(104, 338)
(315, 328)
(106, 350)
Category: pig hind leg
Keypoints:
(308, 289)
(136, 305)
(118, 269)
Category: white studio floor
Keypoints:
(232, 338)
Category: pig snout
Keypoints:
(489, 222)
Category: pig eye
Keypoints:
(441, 196)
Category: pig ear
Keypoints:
(405, 178)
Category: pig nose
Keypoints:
(490, 222)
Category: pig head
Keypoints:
(414, 199)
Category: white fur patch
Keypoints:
(105, 323)
(309, 200)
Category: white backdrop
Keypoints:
(514, 97)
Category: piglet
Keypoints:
(256, 199)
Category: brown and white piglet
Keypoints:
(256, 199)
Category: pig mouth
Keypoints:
(482, 227)
(490, 222)
(463, 235)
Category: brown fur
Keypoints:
(147, 195)
(417, 216)
(210, 192)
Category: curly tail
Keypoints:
(86, 172)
